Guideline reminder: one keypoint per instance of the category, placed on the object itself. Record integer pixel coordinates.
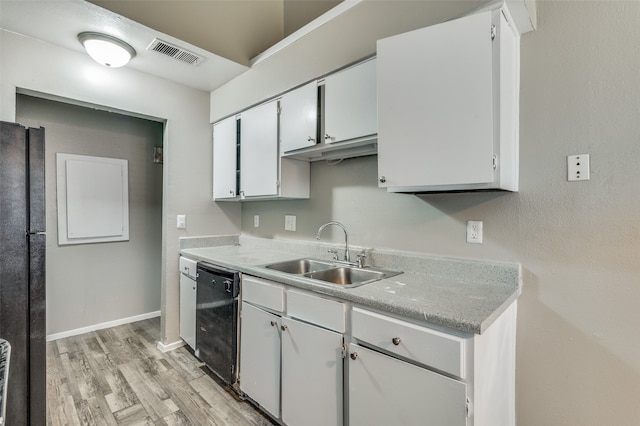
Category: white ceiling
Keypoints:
(59, 22)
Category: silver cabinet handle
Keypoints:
(273, 323)
(354, 355)
(310, 139)
(382, 179)
(327, 136)
(284, 327)
(396, 341)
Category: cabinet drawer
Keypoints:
(316, 310)
(263, 293)
(433, 348)
(386, 391)
(188, 267)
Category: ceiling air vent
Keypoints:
(175, 52)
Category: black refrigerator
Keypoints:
(22, 271)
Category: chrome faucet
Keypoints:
(346, 237)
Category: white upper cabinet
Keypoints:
(261, 172)
(448, 106)
(225, 165)
(299, 118)
(259, 150)
(350, 103)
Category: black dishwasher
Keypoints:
(217, 319)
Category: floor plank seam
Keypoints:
(117, 376)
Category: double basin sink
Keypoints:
(332, 272)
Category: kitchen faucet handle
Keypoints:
(361, 257)
(335, 254)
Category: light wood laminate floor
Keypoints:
(117, 376)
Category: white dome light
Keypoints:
(106, 50)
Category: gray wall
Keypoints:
(89, 284)
(28, 65)
(578, 351)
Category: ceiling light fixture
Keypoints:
(106, 50)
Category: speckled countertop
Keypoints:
(465, 295)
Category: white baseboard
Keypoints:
(101, 326)
(171, 346)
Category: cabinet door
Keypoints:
(259, 150)
(260, 357)
(435, 105)
(311, 375)
(299, 118)
(350, 103)
(386, 391)
(188, 310)
(225, 163)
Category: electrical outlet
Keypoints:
(256, 220)
(474, 231)
(181, 221)
(578, 167)
(289, 222)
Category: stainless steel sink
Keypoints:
(347, 275)
(332, 273)
(300, 266)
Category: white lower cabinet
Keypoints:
(403, 373)
(188, 310)
(260, 357)
(398, 371)
(311, 375)
(188, 301)
(291, 368)
(386, 391)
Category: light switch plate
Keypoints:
(181, 221)
(289, 222)
(256, 220)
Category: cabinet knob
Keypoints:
(396, 341)
(382, 179)
(310, 139)
(273, 323)
(283, 327)
(354, 355)
(327, 136)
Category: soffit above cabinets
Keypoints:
(359, 21)
(236, 30)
